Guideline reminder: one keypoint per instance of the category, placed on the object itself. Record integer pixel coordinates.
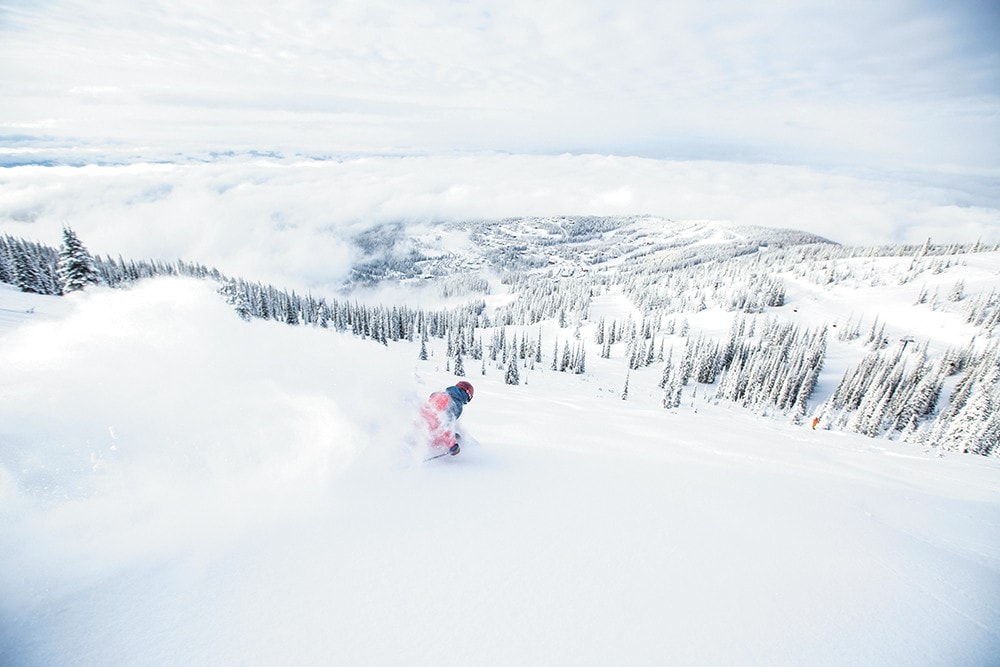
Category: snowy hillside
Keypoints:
(897, 342)
(180, 486)
(564, 245)
(713, 288)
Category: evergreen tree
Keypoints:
(511, 374)
(241, 305)
(564, 363)
(7, 274)
(76, 266)
(667, 370)
(28, 274)
(292, 315)
(974, 423)
(459, 365)
(957, 291)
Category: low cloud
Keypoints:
(292, 223)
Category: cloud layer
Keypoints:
(897, 82)
(291, 223)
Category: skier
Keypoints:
(442, 410)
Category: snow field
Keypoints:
(181, 487)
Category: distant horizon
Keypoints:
(292, 221)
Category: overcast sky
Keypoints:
(888, 110)
(890, 83)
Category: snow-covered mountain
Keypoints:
(180, 485)
(566, 245)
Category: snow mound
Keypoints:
(151, 422)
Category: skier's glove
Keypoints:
(454, 449)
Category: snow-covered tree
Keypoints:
(566, 360)
(7, 274)
(76, 266)
(511, 374)
(971, 421)
(28, 273)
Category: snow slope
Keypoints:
(178, 486)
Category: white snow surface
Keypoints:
(180, 487)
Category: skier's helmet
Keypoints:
(466, 387)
